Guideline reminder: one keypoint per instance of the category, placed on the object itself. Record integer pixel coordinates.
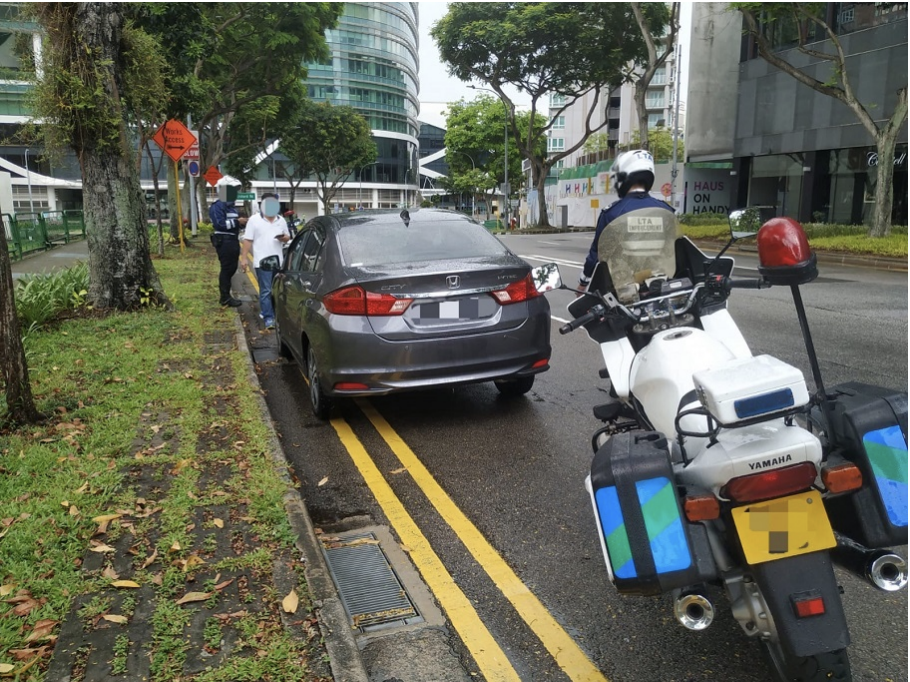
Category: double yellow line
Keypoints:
(490, 658)
(487, 653)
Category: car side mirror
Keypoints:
(270, 264)
(546, 277)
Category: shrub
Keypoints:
(703, 219)
(40, 298)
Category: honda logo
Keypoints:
(454, 281)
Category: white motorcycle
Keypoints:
(719, 468)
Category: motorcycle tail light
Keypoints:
(354, 300)
(806, 605)
(701, 507)
(772, 483)
(842, 477)
(517, 292)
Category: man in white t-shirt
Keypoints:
(266, 234)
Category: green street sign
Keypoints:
(246, 196)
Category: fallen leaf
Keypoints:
(399, 471)
(42, 629)
(221, 586)
(110, 573)
(106, 518)
(74, 511)
(7, 589)
(25, 607)
(323, 482)
(405, 548)
(148, 562)
(157, 579)
(125, 583)
(290, 602)
(194, 596)
(6, 668)
(218, 523)
(82, 488)
(101, 548)
(192, 562)
(114, 618)
(65, 503)
(175, 547)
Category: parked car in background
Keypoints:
(373, 302)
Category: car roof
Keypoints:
(416, 216)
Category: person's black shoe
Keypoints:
(232, 303)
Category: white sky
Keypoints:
(438, 88)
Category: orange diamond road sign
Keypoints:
(213, 175)
(174, 138)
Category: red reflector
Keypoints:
(781, 243)
(841, 478)
(517, 292)
(701, 507)
(771, 483)
(354, 300)
(540, 363)
(814, 606)
(351, 386)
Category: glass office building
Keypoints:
(373, 68)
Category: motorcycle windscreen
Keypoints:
(639, 245)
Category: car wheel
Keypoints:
(283, 348)
(322, 404)
(515, 387)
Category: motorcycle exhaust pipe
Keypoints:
(693, 611)
(884, 569)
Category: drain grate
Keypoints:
(371, 592)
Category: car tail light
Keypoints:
(517, 292)
(351, 386)
(842, 477)
(771, 483)
(808, 604)
(701, 507)
(543, 362)
(354, 300)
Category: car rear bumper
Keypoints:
(384, 366)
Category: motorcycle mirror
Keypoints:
(546, 277)
(744, 223)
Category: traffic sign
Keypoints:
(246, 196)
(193, 167)
(666, 189)
(174, 138)
(192, 154)
(213, 175)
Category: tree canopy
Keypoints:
(572, 50)
(330, 142)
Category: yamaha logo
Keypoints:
(454, 281)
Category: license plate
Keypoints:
(464, 308)
(788, 526)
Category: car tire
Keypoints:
(513, 388)
(321, 403)
(283, 348)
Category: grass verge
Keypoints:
(153, 466)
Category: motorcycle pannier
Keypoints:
(870, 429)
(648, 544)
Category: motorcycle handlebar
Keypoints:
(759, 283)
(589, 316)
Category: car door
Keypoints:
(288, 299)
(313, 324)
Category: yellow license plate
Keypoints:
(785, 527)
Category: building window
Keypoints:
(660, 76)
(556, 144)
(25, 201)
(655, 120)
(559, 122)
(557, 100)
(654, 100)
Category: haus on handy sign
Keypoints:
(707, 190)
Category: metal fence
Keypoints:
(28, 232)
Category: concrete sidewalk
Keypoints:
(57, 258)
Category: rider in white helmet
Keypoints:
(632, 176)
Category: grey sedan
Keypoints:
(380, 301)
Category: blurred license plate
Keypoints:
(464, 308)
(785, 527)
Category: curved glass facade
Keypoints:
(373, 68)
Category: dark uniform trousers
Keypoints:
(228, 248)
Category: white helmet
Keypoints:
(635, 167)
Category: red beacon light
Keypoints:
(783, 253)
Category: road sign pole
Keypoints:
(193, 228)
(179, 211)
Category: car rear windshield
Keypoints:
(386, 243)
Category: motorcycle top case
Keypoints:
(870, 429)
(648, 544)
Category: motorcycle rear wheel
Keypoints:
(833, 666)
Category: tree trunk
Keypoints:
(642, 112)
(884, 185)
(540, 182)
(20, 405)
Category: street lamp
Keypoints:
(360, 183)
(505, 189)
(28, 175)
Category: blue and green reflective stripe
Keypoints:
(660, 509)
(614, 530)
(887, 452)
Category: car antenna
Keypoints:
(406, 217)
